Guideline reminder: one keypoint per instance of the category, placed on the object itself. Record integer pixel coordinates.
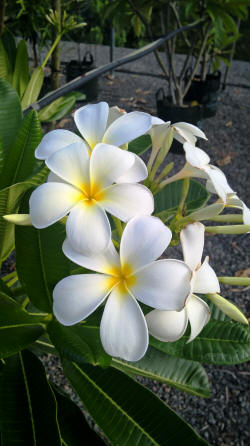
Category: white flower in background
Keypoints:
(162, 284)
(83, 187)
(171, 325)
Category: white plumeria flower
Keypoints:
(162, 284)
(98, 123)
(169, 326)
(83, 187)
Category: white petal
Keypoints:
(52, 201)
(207, 212)
(167, 326)
(246, 214)
(102, 263)
(53, 178)
(219, 181)
(192, 242)
(54, 141)
(76, 297)
(126, 201)
(88, 228)
(205, 279)
(114, 113)
(138, 172)
(158, 134)
(195, 156)
(164, 285)
(185, 132)
(237, 202)
(198, 315)
(91, 121)
(71, 164)
(156, 121)
(144, 239)
(123, 329)
(107, 163)
(127, 127)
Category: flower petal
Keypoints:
(158, 134)
(198, 315)
(167, 326)
(185, 132)
(54, 141)
(192, 242)
(195, 156)
(71, 164)
(52, 201)
(138, 172)
(107, 163)
(76, 297)
(127, 127)
(126, 201)
(99, 262)
(123, 329)
(164, 285)
(88, 228)
(219, 182)
(207, 212)
(91, 121)
(53, 178)
(114, 113)
(144, 239)
(205, 279)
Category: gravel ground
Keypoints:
(222, 419)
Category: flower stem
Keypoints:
(57, 40)
(240, 281)
(185, 189)
(228, 218)
(229, 229)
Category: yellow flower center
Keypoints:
(91, 193)
(121, 277)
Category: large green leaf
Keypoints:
(188, 376)
(21, 71)
(5, 66)
(28, 412)
(9, 43)
(20, 161)
(75, 430)
(10, 113)
(18, 329)
(58, 108)
(128, 413)
(79, 343)
(140, 145)
(169, 198)
(34, 87)
(41, 262)
(220, 342)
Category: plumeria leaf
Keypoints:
(185, 375)
(111, 395)
(33, 88)
(220, 342)
(18, 329)
(140, 145)
(78, 343)
(9, 107)
(28, 412)
(21, 74)
(58, 108)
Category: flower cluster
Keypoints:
(93, 175)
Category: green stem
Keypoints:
(241, 281)
(229, 229)
(51, 50)
(25, 302)
(185, 189)
(164, 172)
(228, 218)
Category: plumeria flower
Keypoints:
(83, 187)
(171, 325)
(98, 123)
(162, 284)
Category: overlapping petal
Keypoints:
(123, 327)
(91, 121)
(192, 242)
(114, 113)
(126, 128)
(185, 132)
(195, 156)
(167, 326)
(205, 280)
(54, 141)
(138, 172)
(198, 315)
(76, 297)
(144, 239)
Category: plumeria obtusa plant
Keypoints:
(89, 222)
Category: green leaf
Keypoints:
(9, 44)
(20, 161)
(185, 375)
(18, 329)
(128, 413)
(34, 87)
(140, 145)
(10, 113)
(169, 198)
(21, 74)
(28, 413)
(57, 109)
(1, 158)
(5, 67)
(73, 425)
(79, 343)
(220, 342)
(41, 262)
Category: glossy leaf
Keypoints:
(21, 71)
(20, 161)
(128, 413)
(33, 88)
(220, 342)
(58, 108)
(10, 114)
(28, 413)
(140, 145)
(5, 66)
(18, 329)
(9, 43)
(185, 375)
(78, 343)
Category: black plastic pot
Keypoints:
(168, 111)
(205, 92)
(74, 68)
